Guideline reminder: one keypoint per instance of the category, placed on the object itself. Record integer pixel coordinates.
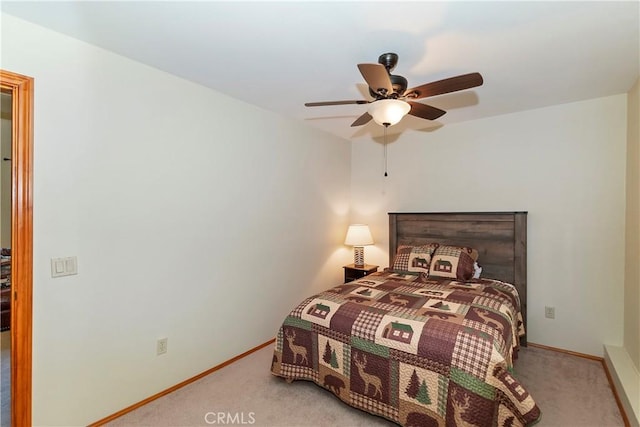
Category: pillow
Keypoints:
(413, 259)
(453, 262)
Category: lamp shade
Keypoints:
(358, 235)
(388, 112)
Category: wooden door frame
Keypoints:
(21, 88)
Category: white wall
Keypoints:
(182, 205)
(564, 164)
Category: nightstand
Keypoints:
(351, 272)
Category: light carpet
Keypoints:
(570, 391)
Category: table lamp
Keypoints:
(358, 236)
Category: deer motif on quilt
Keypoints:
(369, 379)
(397, 300)
(296, 349)
(484, 315)
(459, 409)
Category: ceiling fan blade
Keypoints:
(425, 111)
(377, 78)
(321, 104)
(452, 84)
(362, 120)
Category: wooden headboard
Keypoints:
(499, 237)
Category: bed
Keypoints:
(425, 342)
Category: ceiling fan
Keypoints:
(392, 100)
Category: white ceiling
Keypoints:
(279, 55)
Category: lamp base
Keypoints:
(358, 256)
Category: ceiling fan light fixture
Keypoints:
(388, 112)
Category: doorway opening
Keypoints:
(20, 89)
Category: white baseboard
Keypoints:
(626, 380)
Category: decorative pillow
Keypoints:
(413, 259)
(454, 262)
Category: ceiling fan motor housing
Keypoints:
(399, 85)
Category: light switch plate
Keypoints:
(64, 266)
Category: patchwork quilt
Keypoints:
(418, 351)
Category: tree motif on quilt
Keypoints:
(330, 357)
(331, 366)
(422, 395)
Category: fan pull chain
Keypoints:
(385, 149)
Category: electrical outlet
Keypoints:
(550, 312)
(161, 346)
